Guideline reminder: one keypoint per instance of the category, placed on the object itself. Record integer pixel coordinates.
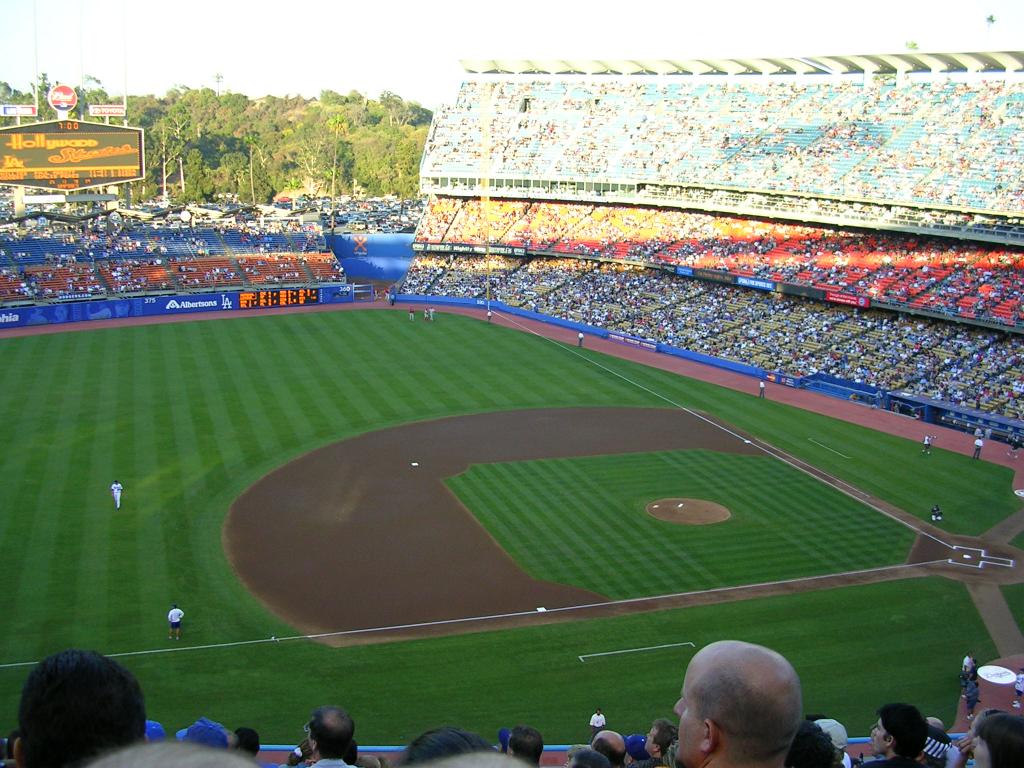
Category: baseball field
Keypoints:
(459, 522)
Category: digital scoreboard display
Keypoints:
(284, 297)
(66, 155)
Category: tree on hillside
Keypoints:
(200, 144)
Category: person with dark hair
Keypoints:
(999, 742)
(663, 732)
(331, 731)
(811, 748)
(75, 705)
(898, 736)
(9, 744)
(444, 742)
(588, 758)
(526, 743)
(247, 740)
(611, 745)
(740, 706)
(352, 753)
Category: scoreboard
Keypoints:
(66, 155)
(283, 297)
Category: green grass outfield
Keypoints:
(188, 415)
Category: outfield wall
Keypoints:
(591, 330)
(176, 304)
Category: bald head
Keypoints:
(741, 702)
(611, 745)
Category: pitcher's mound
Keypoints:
(688, 511)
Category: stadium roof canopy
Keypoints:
(861, 64)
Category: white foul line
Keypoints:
(829, 449)
(500, 616)
(632, 650)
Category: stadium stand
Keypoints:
(60, 266)
(942, 142)
(973, 281)
(861, 212)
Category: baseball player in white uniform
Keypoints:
(174, 617)
(115, 491)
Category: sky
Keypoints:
(414, 48)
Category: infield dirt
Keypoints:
(377, 548)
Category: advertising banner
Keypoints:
(146, 306)
(70, 154)
(849, 299)
(753, 282)
(18, 110)
(715, 276)
(633, 341)
(372, 256)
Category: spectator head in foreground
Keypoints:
(526, 743)
(206, 733)
(247, 740)
(611, 745)
(901, 731)
(446, 741)
(491, 759)
(663, 732)
(636, 748)
(837, 733)
(172, 754)
(740, 705)
(936, 747)
(331, 731)
(999, 742)
(811, 748)
(587, 758)
(75, 705)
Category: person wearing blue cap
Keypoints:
(636, 748)
(205, 732)
(663, 732)
(154, 731)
